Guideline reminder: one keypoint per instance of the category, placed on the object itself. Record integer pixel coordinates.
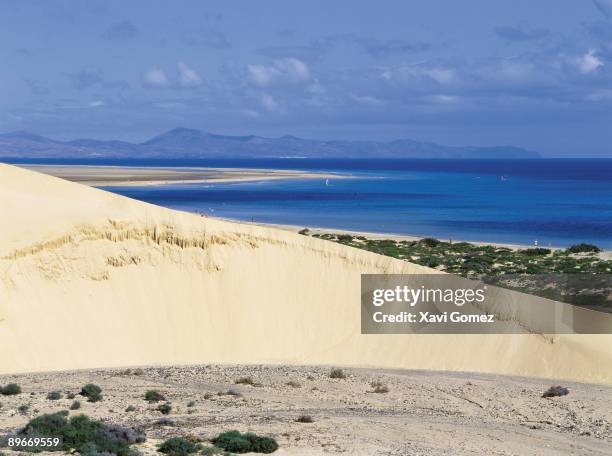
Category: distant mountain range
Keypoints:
(189, 143)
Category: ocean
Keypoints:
(554, 202)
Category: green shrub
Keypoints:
(75, 405)
(165, 409)
(154, 396)
(583, 248)
(345, 238)
(536, 251)
(80, 433)
(429, 242)
(11, 389)
(177, 446)
(130, 408)
(23, 409)
(92, 392)
(235, 442)
(54, 395)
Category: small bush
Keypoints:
(379, 387)
(555, 391)
(70, 396)
(245, 381)
(583, 248)
(293, 384)
(54, 395)
(191, 404)
(154, 396)
(536, 251)
(304, 232)
(165, 409)
(75, 405)
(429, 242)
(304, 419)
(92, 392)
(235, 442)
(11, 389)
(23, 409)
(178, 446)
(337, 373)
(130, 408)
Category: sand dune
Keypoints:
(92, 279)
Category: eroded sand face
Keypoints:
(422, 413)
(92, 279)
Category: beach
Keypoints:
(128, 176)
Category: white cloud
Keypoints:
(440, 75)
(368, 100)
(187, 76)
(269, 102)
(281, 71)
(445, 99)
(588, 63)
(96, 104)
(155, 77)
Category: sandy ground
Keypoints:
(125, 176)
(423, 413)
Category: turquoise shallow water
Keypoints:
(557, 202)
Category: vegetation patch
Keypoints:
(178, 446)
(92, 392)
(379, 387)
(235, 442)
(337, 373)
(556, 391)
(84, 435)
(165, 409)
(154, 396)
(54, 395)
(11, 389)
(576, 275)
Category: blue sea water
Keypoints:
(557, 202)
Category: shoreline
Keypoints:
(378, 236)
(604, 254)
(144, 176)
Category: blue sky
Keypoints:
(536, 74)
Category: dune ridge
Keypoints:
(92, 279)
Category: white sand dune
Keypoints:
(92, 279)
